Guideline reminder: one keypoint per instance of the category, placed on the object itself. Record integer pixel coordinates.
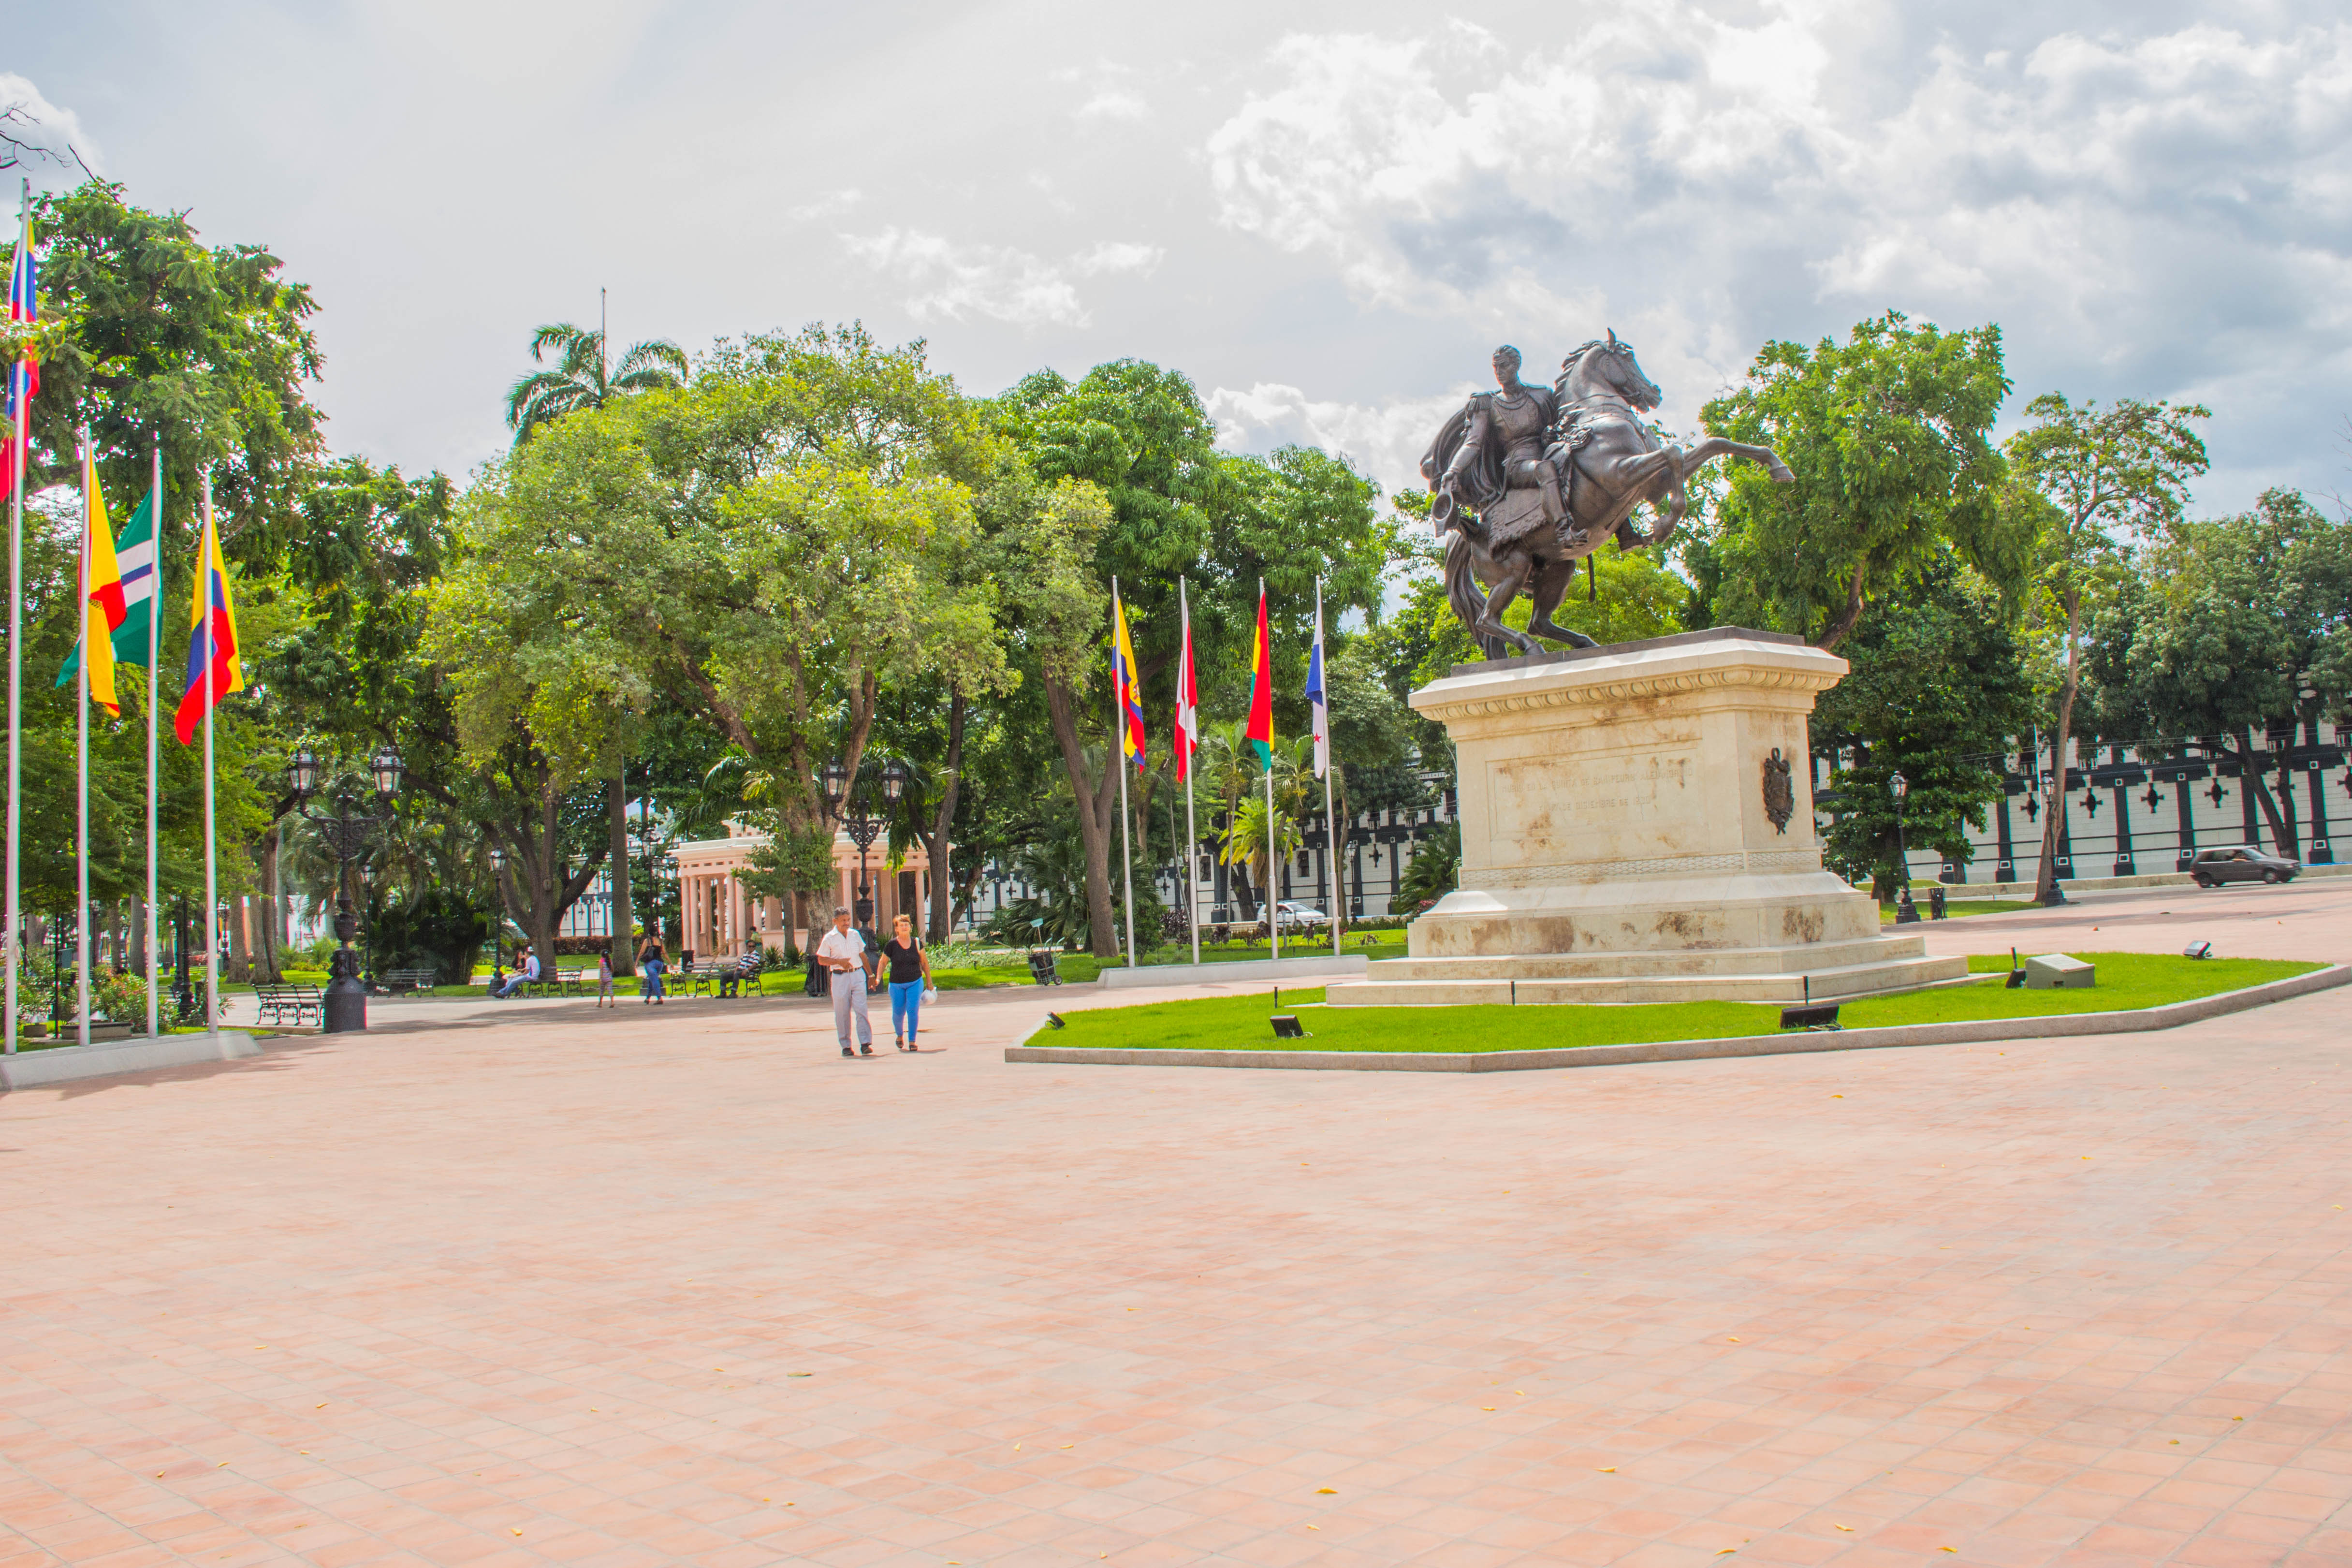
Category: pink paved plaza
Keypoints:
(536, 1284)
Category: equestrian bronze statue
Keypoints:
(1529, 481)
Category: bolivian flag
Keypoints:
(102, 582)
(1261, 714)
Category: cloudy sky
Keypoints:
(1326, 214)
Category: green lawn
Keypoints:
(2127, 981)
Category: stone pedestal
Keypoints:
(1637, 825)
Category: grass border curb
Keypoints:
(2170, 1015)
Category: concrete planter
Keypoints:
(63, 1064)
(2140, 1020)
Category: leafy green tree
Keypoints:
(2083, 474)
(1137, 434)
(1938, 676)
(581, 377)
(148, 331)
(2224, 625)
(1889, 437)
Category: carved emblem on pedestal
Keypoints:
(1779, 794)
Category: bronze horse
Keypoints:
(1529, 482)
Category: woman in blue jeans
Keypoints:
(651, 964)
(911, 970)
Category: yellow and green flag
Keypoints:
(102, 584)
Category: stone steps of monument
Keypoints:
(1665, 965)
(1827, 984)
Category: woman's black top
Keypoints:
(906, 961)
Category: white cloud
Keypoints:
(998, 281)
(831, 205)
(42, 138)
(1384, 440)
(1118, 255)
(2172, 210)
(1113, 103)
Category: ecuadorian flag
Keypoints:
(213, 668)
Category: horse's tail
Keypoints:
(1461, 590)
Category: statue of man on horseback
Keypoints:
(1527, 483)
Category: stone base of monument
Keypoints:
(1637, 825)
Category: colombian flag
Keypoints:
(102, 584)
(1261, 716)
(213, 669)
(1122, 679)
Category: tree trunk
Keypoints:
(1841, 628)
(2282, 829)
(2045, 880)
(240, 952)
(270, 930)
(936, 843)
(1098, 804)
(616, 856)
(533, 885)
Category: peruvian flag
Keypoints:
(1188, 697)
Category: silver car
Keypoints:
(2214, 866)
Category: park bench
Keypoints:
(556, 983)
(288, 1003)
(408, 981)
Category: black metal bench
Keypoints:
(288, 1004)
(406, 982)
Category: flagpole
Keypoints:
(154, 624)
(1272, 871)
(81, 762)
(1330, 820)
(1192, 836)
(16, 644)
(212, 893)
(1120, 677)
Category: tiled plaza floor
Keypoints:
(545, 1284)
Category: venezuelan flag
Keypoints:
(1261, 713)
(1122, 675)
(101, 581)
(214, 667)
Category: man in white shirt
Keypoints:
(522, 976)
(843, 951)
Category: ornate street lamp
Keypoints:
(1906, 911)
(855, 806)
(350, 832)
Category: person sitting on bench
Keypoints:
(731, 979)
(522, 976)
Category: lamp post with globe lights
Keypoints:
(855, 809)
(1906, 911)
(351, 832)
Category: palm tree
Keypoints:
(581, 379)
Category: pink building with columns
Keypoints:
(721, 917)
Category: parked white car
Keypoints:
(1291, 916)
